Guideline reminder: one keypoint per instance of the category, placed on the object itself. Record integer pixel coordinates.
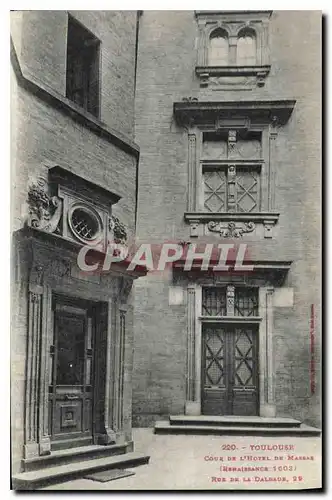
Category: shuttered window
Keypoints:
(82, 78)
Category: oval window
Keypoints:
(84, 223)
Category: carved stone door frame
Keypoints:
(109, 418)
(267, 407)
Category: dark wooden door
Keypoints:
(71, 387)
(229, 370)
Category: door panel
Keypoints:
(229, 370)
(214, 371)
(70, 392)
(244, 393)
(70, 347)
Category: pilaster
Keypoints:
(31, 446)
(266, 367)
(271, 174)
(46, 335)
(192, 404)
(192, 171)
(125, 286)
(104, 375)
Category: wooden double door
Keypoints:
(229, 369)
(71, 382)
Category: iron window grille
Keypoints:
(214, 301)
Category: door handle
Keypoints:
(71, 398)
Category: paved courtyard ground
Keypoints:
(188, 462)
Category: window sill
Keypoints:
(230, 224)
(232, 77)
(77, 113)
(230, 319)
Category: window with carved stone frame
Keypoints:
(232, 164)
(233, 49)
(234, 183)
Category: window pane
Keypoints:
(50, 373)
(247, 190)
(214, 146)
(218, 55)
(70, 349)
(82, 80)
(244, 358)
(214, 191)
(89, 334)
(246, 50)
(214, 339)
(214, 301)
(246, 301)
(88, 371)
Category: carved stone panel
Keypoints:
(231, 229)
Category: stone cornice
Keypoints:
(237, 13)
(262, 273)
(194, 112)
(38, 88)
(31, 237)
(82, 185)
(229, 216)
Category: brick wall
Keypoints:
(47, 137)
(44, 136)
(42, 41)
(166, 62)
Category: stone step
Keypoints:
(164, 427)
(37, 479)
(79, 454)
(234, 421)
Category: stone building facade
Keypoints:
(189, 127)
(228, 121)
(74, 173)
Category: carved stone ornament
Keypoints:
(274, 127)
(59, 267)
(190, 99)
(44, 211)
(125, 287)
(118, 229)
(36, 274)
(194, 228)
(231, 229)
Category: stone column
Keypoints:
(31, 445)
(192, 172)
(271, 173)
(46, 336)
(232, 41)
(192, 404)
(103, 408)
(125, 286)
(119, 374)
(202, 45)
